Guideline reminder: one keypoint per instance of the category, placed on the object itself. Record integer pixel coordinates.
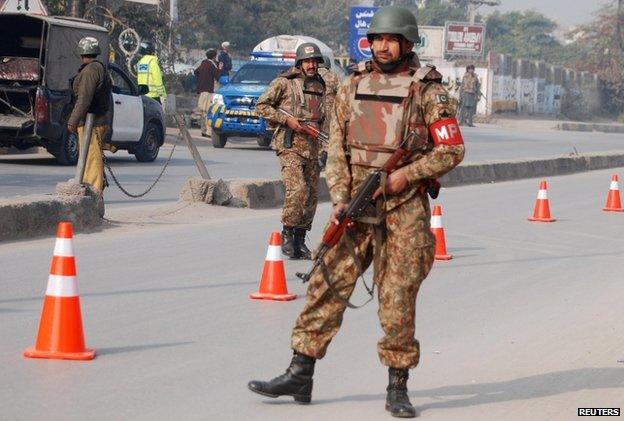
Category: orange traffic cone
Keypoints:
(60, 328)
(614, 203)
(541, 213)
(273, 282)
(438, 231)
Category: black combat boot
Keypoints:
(288, 242)
(295, 382)
(397, 401)
(301, 250)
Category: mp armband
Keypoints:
(446, 132)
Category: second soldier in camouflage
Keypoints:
(301, 92)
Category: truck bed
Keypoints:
(14, 122)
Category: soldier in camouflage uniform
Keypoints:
(385, 101)
(469, 93)
(332, 83)
(300, 91)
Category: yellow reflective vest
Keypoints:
(148, 73)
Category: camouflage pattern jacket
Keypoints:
(429, 102)
(281, 94)
(332, 83)
(470, 83)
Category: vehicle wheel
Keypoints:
(218, 140)
(264, 141)
(67, 154)
(149, 145)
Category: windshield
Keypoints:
(258, 74)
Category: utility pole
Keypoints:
(620, 23)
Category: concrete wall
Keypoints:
(533, 87)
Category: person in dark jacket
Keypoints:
(207, 73)
(224, 59)
(92, 94)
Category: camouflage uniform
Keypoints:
(469, 96)
(401, 246)
(300, 168)
(332, 83)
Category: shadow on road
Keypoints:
(136, 348)
(143, 291)
(538, 386)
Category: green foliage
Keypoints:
(527, 34)
(56, 7)
(209, 22)
(598, 48)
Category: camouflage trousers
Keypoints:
(403, 263)
(300, 176)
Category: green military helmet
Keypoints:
(394, 20)
(88, 46)
(308, 50)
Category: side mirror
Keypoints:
(224, 80)
(143, 89)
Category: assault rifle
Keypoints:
(308, 128)
(355, 209)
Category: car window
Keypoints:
(120, 84)
(257, 74)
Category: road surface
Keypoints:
(524, 323)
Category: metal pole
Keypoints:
(189, 142)
(86, 141)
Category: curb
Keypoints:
(592, 127)
(262, 194)
(38, 215)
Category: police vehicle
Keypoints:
(232, 114)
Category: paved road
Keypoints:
(21, 175)
(524, 323)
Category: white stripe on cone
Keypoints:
(436, 221)
(64, 247)
(614, 185)
(542, 194)
(274, 254)
(62, 286)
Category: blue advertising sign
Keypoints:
(359, 21)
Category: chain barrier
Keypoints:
(136, 196)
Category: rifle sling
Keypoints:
(379, 236)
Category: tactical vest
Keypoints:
(384, 111)
(307, 99)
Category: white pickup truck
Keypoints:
(37, 60)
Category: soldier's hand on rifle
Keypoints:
(294, 124)
(336, 211)
(395, 183)
(72, 128)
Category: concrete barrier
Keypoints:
(258, 194)
(38, 215)
(592, 127)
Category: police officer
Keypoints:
(332, 82)
(148, 72)
(300, 91)
(91, 94)
(469, 93)
(386, 101)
